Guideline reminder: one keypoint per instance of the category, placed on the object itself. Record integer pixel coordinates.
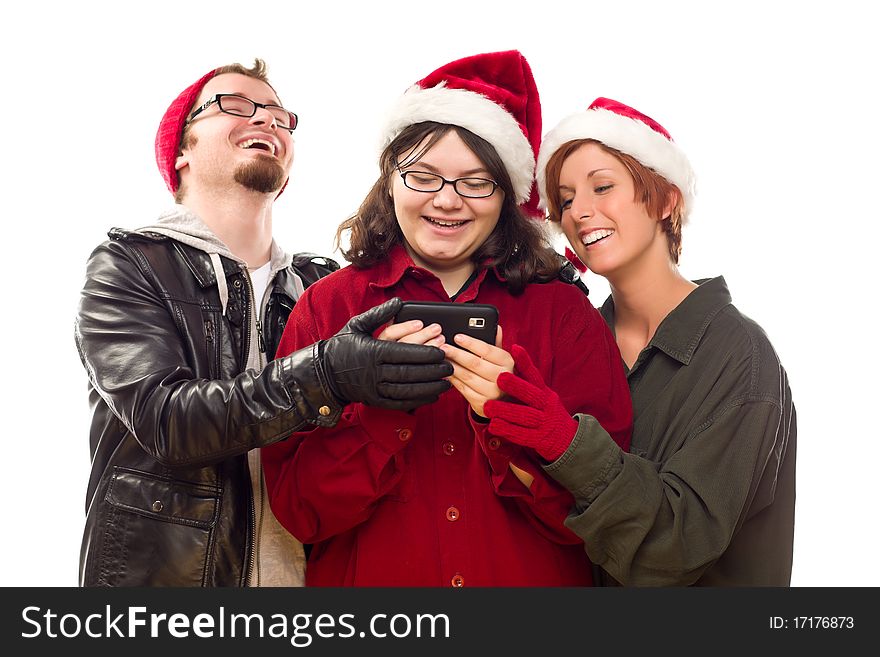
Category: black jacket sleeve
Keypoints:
(142, 362)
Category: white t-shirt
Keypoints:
(260, 281)
(279, 557)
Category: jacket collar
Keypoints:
(681, 331)
(199, 263)
(289, 282)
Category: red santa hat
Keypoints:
(629, 131)
(171, 130)
(494, 96)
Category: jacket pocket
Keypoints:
(160, 531)
(164, 499)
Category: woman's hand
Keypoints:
(413, 332)
(476, 370)
(538, 419)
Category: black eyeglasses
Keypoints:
(241, 106)
(422, 181)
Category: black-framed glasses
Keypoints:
(422, 181)
(245, 107)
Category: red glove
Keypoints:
(541, 421)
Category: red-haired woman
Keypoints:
(706, 494)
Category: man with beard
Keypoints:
(177, 326)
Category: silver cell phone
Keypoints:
(479, 320)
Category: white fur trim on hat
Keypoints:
(471, 111)
(627, 135)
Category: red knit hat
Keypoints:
(171, 130)
(629, 131)
(494, 96)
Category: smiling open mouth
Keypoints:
(596, 236)
(259, 144)
(446, 223)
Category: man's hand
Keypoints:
(382, 373)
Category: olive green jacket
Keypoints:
(706, 495)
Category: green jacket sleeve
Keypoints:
(649, 523)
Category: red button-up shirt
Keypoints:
(427, 498)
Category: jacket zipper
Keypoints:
(212, 353)
(257, 309)
(256, 527)
(252, 513)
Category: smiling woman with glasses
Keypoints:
(433, 497)
(245, 107)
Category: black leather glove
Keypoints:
(382, 373)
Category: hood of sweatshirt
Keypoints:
(181, 224)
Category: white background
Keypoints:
(775, 102)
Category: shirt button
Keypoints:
(404, 434)
(158, 506)
(449, 448)
(494, 443)
(324, 410)
(452, 514)
(458, 581)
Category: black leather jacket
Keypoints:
(174, 411)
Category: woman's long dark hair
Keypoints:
(517, 247)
